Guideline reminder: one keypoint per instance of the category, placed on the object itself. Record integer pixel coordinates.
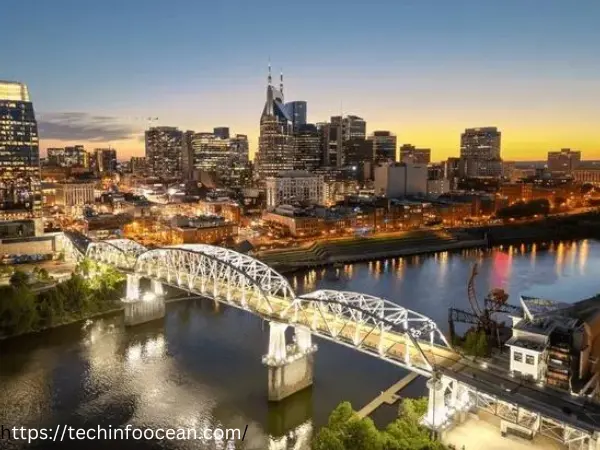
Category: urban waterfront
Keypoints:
(202, 365)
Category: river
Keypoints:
(201, 366)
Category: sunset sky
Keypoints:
(423, 69)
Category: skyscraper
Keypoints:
(74, 156)
(480, 143)
(384, 146)
(411, 154)
(20, 194)
(308, 147)
(297, 113)
(164, 149)
(480, 152)
(340, 131)
(106, 160)
(276, 142)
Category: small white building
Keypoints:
(295, 187)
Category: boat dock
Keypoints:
(389, 396)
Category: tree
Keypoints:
(19, 279)
(6, 271)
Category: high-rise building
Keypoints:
(384, 146)
(480, 152)
(358, 151)
(138, 166)
(164, 151)
(221, 132)
(564, 161)
(340, 130)
(226, 159)
(276, 141)
(410, 154)
(308, 147)
(74, 156)
(187, 155)
(20, 192)
(106, 160)
(297, 113)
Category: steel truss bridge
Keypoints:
(365, 323)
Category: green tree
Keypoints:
(481, 347)
(19, 279)
(327, 439)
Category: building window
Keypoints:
(518, 356)
(529, 360)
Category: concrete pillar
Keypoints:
(303, 339)
(157, 288)
(133, 287)
(290, 370)
(436, 411)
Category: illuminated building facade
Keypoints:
(20, 192)
(164, 150)
(74, 156)
(308, 147)
(276, 141)
(105, 160)
(480, 152)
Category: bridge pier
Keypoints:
(290, 367)
(437, 413)
(143, 308)
(133, 287)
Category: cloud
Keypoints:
(80, 126)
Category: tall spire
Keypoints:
(269, 79)
(281, 81)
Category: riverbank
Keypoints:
(357, 249)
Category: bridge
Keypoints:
(365, 323)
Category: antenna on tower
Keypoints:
(281, 81)
(269, 78)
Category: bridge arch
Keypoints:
(121, 252)
(367, 323)
(218, 272)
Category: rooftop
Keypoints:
(13, 90)
(523, 343)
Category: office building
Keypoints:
(564, 161)
(295, 187)
(480, 143)
(164, 151)
(411, 154)
(20, 193)
(74, 156)
(297, 113)
(138, 166)
(336, 134)
(224, 159)
(590, 173)
(400, 179)
(187, 155)
(384, 146)
(276, 141)
(308, 147)
(221, 132)
(106, 160)
(480, 153)
(358, 151)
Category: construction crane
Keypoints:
(482, 318)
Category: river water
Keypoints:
(201, 366)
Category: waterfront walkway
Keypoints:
(389, 396)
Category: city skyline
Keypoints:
(424, 77)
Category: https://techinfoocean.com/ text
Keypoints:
(65, 433)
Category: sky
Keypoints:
(424, 69)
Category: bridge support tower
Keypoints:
(143, 308)
(290, 366)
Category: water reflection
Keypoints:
(201, 366)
